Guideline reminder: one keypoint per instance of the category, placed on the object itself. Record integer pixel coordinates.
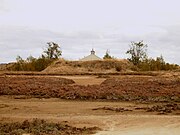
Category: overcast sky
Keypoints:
(80, 25)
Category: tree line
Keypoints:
(49, 55)
(137, 55)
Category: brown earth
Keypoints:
(118, 88)
(151, 100)
(81, 114)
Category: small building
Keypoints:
(91, 57)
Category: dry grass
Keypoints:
(103, 66)
(41, 127)
(4, 67)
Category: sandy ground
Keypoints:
(85, 80)
(80, 114)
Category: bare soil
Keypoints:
(128, 105)
(85, 114)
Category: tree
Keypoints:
(30, 59)
(53, 51)
(160, 63)
(137, 52)
(19, 64)
(19, 59)
(107, 56)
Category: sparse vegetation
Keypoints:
(139, 58)
(41, 127)
(107, 55)
(162, 108)
(138, 61)
(133, 88)
(115, 109)
(157, 64)
(33, 64)
(52, 53)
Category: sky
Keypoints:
(80, 25)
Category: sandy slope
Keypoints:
(143, 125)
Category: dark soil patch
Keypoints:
(162, 109)
(116, 109)
(3, 106)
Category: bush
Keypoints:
(32, 65)
(157, 64)
(118, 68)
(41, 127)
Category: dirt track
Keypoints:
(81, 113)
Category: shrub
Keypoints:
(156, 65)
(41, 127)
(32, 65)
(118, 67)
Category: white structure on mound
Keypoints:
(91, 57)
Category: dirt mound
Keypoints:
(102, 66)
(6, 67)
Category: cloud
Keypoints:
(165, 42)
(2, 6)
(26, 41)
(78, 26)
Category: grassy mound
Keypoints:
(102, 66)
(6, 67)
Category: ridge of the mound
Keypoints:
(97, 66)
